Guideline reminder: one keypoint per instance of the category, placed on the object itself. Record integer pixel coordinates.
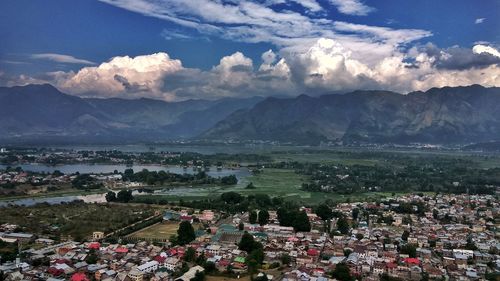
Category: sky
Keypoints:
(207, 49)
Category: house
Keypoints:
(135, 275)
(191, 273)
(172, 263)
(148, 267)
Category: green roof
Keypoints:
(240, 259)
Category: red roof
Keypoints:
(224, 263)
(186, 218)
(79, 276)
(160, 259)
(411, 260)
(94, 245)
(312, 252)
(121, 250)
(391, 265)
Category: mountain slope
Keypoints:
(35, 112)
(445, 115)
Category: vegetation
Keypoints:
(185, 233)
(77, 219)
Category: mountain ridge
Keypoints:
(439, 115)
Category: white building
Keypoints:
(148, 267)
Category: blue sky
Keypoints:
(52, 40)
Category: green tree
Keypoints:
(263, 217)
(302, 222)
(241, 226)
(409, 249)
(405, 235)
(110, 196)
(342, 273)
(285, 259)
(185, 233)
(190, 255)
(324, 212)
(343, 225)
(199, 276)
(91, 257)
(247, 242)
(355, 213)
(124, 196)
(252, 217)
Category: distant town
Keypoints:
(410, 237)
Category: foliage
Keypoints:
(343, 225)
(252, 217)
(263, 217)
(342, 273)
(324, 212)
(185, 233)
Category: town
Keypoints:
(408, 237)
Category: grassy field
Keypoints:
(159, 230)
(275, 182)
(76, 219)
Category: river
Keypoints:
(100, 168)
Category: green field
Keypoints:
(157, 231)
(76, 219)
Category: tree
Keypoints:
(247, 243)
(198, 276)
(190, 255)
(355, 213)
(342, 272)
(285, 259)
(255, 259)
(110, 196)
(91, 258)
(343, 225)
(405, 235)
(263, 217)
(359, 236)
(252, 218)
(324, 212)
(241, 226)
(231, 197)
(302, 222)
(210, 267)
(124, 196)
(250, 186)
(409, 249)
(185, 233)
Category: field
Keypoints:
(157, 231)
(76, 219)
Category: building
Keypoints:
(97, 235)
(148, 267)
(191, 273)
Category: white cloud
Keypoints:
(479, 20)
(138, 76)
(480, 49)
(352, 7)
(61, 58)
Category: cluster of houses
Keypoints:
(455, 237)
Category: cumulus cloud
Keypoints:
(61, 58)
(120, 75)
(327, 66)
(482, 49)
(313, 54)
(480, 56)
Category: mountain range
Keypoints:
(446, 115)
(458, 115)
(41, 113)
